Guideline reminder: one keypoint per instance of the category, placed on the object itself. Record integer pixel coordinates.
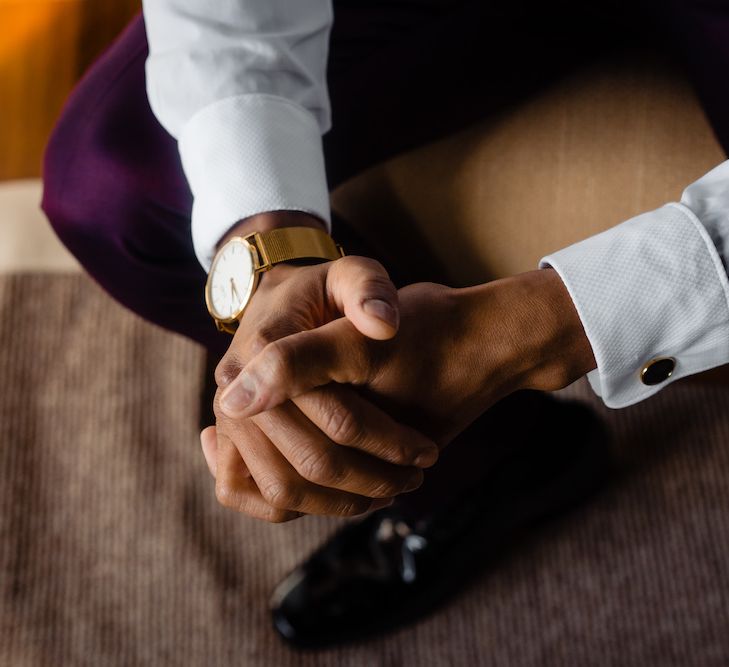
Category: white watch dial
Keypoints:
(231, 279)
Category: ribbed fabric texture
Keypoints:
(113, 550)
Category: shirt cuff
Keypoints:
(251, 154)
(651, 287)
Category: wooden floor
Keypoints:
(45, 45)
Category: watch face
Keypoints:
(231, 280)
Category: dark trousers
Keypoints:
(402, 72)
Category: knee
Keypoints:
(66, 200)
(79, 190)
(112, 180)
(93, 161)
(99, 195)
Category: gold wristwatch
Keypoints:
(239, 263)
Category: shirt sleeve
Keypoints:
(242, 87)
(654, 287)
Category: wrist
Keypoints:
(557, 351)
(528, 326)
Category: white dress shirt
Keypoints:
(242, 86)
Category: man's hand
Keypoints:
(280, 464)
(456, 353)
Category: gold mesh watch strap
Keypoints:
(287, 243)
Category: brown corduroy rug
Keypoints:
(113, 550)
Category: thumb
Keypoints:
(360, 288)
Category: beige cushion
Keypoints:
(27, 242)
(617, 139)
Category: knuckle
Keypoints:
(356, 266)
(278, 360)
(225, 495)
(268, 333)
(228, 369)
(393, 450)
(361, 357)
(380, 283)
(368, 363)
(403, 454)
(376, 278)
(352, 507)
(258, 342)
(279, 516)
(386, 489)
(321, 467)
(347, 262)
(220, 418)
(280, 494)
(362, 263)
(343, 426)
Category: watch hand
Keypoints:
(233, 290)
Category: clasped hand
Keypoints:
(322, 409)
(329, 450)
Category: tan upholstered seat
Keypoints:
(618, 138)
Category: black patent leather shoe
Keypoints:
(385, 571)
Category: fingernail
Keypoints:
(426, 458)
(239, 395)
(381, 310)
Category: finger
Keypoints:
(283, 489)
(236, 489)
(291, 366)
(319, 460)
(361, 289)
(249, 341)
(350, 420)
(209, 443)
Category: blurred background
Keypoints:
(46, 46)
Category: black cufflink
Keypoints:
(657, 370)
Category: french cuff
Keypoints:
(251, 154)
(652, 295)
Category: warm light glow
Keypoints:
(24, 21)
